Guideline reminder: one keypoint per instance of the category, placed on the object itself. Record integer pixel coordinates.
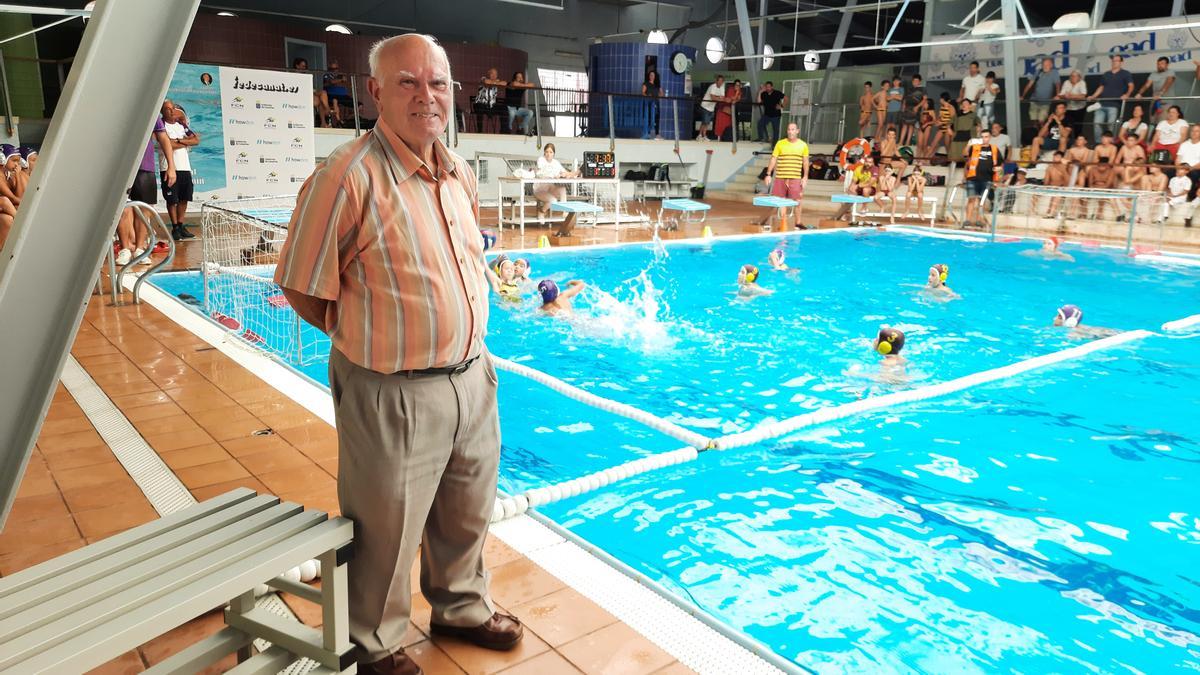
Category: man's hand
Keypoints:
(170, 176)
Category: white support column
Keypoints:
(52, 256)
(835, 57)
(1012, 76)
(753, 66)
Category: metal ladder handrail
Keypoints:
(139, 211)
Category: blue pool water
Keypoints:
(1039, 524)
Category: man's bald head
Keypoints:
(383, 51)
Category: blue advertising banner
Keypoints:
(197, 89)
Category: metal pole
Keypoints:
(612, 129)
(57, 243)
(1132, 220)
(354, 102)
(899, 18)
(755, 112)
(753, 66)
(537, 116)
(839, 41)
(995, 212)
(8, 123)
(675, 121)
(1012, 78)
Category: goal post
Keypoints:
(1129, 218)
(240, 242)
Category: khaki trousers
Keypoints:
(417, 464)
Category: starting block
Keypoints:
(772, 202)
(572, 209)
(687, 207)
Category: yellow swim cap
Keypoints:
(751, 273)
(943, 271)
(884, 347)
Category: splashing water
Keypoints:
(634, 313)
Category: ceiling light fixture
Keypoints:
(657, 37)
(338, 28)
(768, 57)
(714, 49)
(535, 3)
(226, 14)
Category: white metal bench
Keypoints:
(687, 208)
(82, 609)
(857, 215)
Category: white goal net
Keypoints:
(1131, 218)
(241, 241)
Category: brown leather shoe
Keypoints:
(501, 632)
(397, 663)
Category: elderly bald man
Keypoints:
(384, 255)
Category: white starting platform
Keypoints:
(573, 209)
(688, 208)
(772, 202)
(858, 214)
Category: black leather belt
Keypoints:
(448, 370)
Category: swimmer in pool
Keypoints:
(936, 284)
(776, 258)
(509, 289)
(523, 269)
(1071, 316)
(497, 262)
(1051, 251)
(554, 302)
(888, 343)
(748, 283)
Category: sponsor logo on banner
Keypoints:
(270, 123)
(238, 141)
(242, 177)
(241, 158)
(268, 101)
(297, 125)
(293, 106)
(297, 143)
(268, 160)
(235, 122)
(238, 103)
(296, 160)
(263, 106)
(266, 141)
(272, 177)
(296, 179)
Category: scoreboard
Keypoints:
(599, 165)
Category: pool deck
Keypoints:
(198, 410)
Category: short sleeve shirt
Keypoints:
(1074, 89)
(972, 86)
(771, 101)
(1045, 85)
(892, 104)
(789, 158)
(148, 157)
(1188, 153)
(713, 92)
(1114, 85)
(1170, 134)
(1157, 80)
(1139, 130)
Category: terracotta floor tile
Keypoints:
(36, 485)
(616, 650)
(73, 459)
(199, 397)
(29, 556)
(153, 411)
(174, 424)
(319, 450)
(251, 445)
(319, 500)
(562, 616)
(546, 663)
(264, 406)
(302, 479)
(521, 581)
(89, 476)
(89, 362)
(330, 466)
(126, 388)
(211, 474)
(201, 454)
(179, 440)
(25, 535)
(126, 664)
(432, 659)
(676, 668)
(316, 431)
(288, 420)
(139, 400)
(497, 553)
(65, 425)
(210, 491)
(122, 516)
(64, 411)
(50, 505)
(71, 441)
(228, 423)
(94, 350)
(309, 613)
(104, 494)
(479, 661)
(274, 460)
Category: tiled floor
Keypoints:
(217, 426)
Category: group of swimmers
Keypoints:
(512, 279)
(18, 167)
(890, 341)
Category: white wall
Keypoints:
(725, 162)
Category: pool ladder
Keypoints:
(117, 277)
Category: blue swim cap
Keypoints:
(489, 239)
(548, 289)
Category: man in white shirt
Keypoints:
(1001, 141)
(1189, 153)
(972, 84)
(1169, 133)
(1074, 92)
(708, 106)
(987, 100)
(178, 195)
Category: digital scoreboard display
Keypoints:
(599, 165)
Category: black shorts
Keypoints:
(144, 188)
(976, 186)
(181, 191)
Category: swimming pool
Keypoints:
(894, 540)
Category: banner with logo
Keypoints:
(268, 120)
(1141, 45)
(197, 89)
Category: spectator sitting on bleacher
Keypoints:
(1054, 132)
(320, 97)
(337, 86)
(1189, 153)
(1131, 159)
(514, 102)
(1135, 126)
(1178, 189)
(1079, 155)
(1106, 149)
(1169, 133)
